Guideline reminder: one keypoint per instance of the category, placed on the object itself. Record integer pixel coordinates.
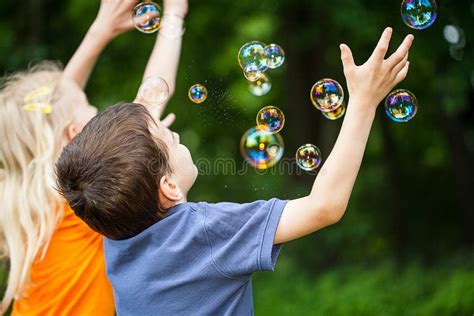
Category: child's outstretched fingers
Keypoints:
(402, 74)
(400, 66)
(347, 58)
(401, 52)
(382, 46)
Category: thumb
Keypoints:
(346, 57)
(169, 119)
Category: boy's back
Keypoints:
(127, 176)
(196, 261)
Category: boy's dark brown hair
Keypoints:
(105, 172)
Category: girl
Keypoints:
(56, 261)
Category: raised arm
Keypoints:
(368, 84)
(164, 58)
(113, 18)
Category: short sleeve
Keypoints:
(241, 236)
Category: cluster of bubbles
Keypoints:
(153, 91)
(255, 58)
(401, 105)
(419, 14)
(38, 100)
(262, 146)
(327, 96)
(308, 157)
(197, 93)
(146, 17)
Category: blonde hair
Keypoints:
(31, 142)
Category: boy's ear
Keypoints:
(71, 132)
(169, 192)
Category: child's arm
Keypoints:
(113, 18)
(368, 84)
(164, 58)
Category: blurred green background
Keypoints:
(405, 245)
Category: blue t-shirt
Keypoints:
(196, 261)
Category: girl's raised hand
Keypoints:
(115, 17)
(371, 82)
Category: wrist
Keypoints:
(100, 32)
(361, 107)
(177, 11)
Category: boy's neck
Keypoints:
(169, 204)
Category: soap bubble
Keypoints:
(153, 91)
(172, 26)
(252, 76)
(335, 114)
(401, 105)
(308, 157)
(261, 149)
(38, 100)
(451, 34)
(270, 119)
(275, 55)
(261, 86)
(419, 14)
(251, 57)
(197, 93)
(327, 95)
(152, 12)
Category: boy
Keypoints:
(165, 256)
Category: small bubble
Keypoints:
(419, 14)
(152, 12)
(401, 105)
(308, 157)
(327, 95)
(197, 93)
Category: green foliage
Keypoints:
(366, 290)
(412, 199)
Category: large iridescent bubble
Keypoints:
(419, 14)
(270, 119)
(261, 86)
(251, 57)
(327, 95)
(308, 157)
(275, 56)
(261, 149)
(401, 105)
(152, 13)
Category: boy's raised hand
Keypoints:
(373, 80)
(368, 84)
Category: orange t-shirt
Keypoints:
(71, 278)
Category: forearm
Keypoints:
(80, 67)
(164, 59)
(335, 181)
